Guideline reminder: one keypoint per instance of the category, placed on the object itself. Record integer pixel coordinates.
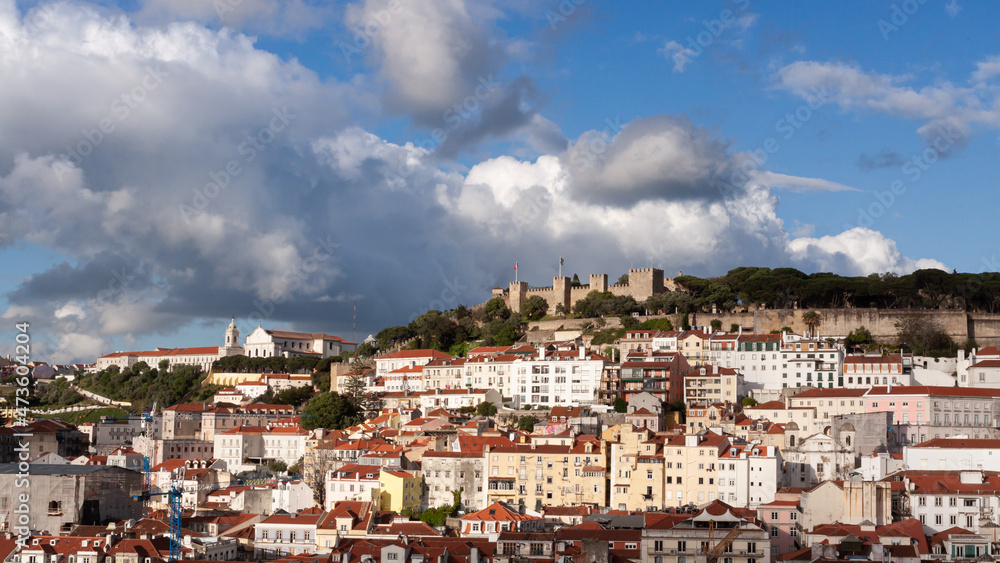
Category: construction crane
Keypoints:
(712, 553)
(176, 513)
(147, 424)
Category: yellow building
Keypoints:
(399, 490)
(536, 475)
(710, 383)
(690, 473)
(701, 416)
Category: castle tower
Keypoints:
(599, 282)
(644, 282)
(517, 294)
(561, 293)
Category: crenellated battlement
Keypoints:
(642, 283)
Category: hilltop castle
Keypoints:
(642, 282)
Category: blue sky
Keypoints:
(599, 132)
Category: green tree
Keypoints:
(494, 309)
(486, 408)
(526, 423)
(331, 411)
(811, 320)
(620, 405)
(276, 466)
(749, 402)
(860, 338)
(294, 396)
(534, 308)
(505, 336)
(716, 324)
(365, 350)
(658, 324)
(622, 280)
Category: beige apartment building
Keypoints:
(546, 475)
(690, 473)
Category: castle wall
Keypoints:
(643, 282)
(959, 325)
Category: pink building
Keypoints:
(782, 517)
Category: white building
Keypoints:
(749, 474)
(281, 535)
(238, 444)
(352, 482)
(554, 378)
(263, 343)
(291, 496)
(953, 454)
(406, 359)
(945, 499)
(963, 363)
(877, 466)
(202, 357)
(866, 370)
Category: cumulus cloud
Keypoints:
(659, 157)
(442, 62)
(859, 251)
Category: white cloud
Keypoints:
(952, 8)
(858, 251)
(680, 55)
(941, 107)
(800, 184)
(987, 69)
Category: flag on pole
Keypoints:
(561, 261)
(515, 265)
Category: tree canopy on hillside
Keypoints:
(786, 287)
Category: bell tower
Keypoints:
(232, 346)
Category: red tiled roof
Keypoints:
(306, 336)
(498, 511)
(426, 353)
(960, 443)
